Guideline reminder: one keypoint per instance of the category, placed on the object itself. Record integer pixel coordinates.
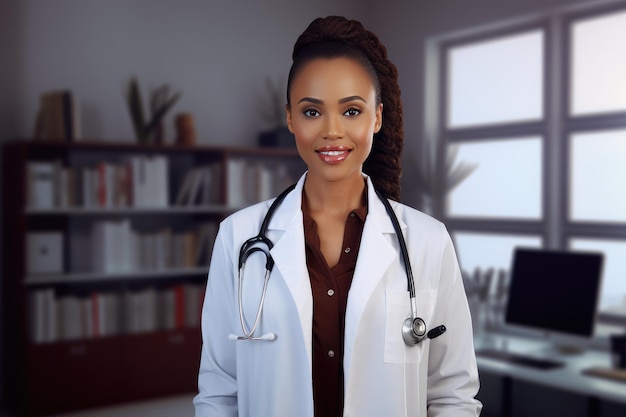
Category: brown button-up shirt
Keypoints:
(330, 288)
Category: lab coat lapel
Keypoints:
(290, 257)
(376, 254)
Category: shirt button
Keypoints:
(330, 293)
(331, 353)
(347, 250)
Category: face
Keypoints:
(333, 116)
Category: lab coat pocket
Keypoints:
(398, 309)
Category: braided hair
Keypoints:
(334, 37)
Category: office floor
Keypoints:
(179, 406)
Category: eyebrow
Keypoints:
(341, 101)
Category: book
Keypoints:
(194, 297)
(167, 309)
(71, 182)
(44, 253)
(43, 322)
(207, 186)
(267, 181)
(51, 109)
(205, 241)
(113, 247)
(195, 187)
(41, 185)
(103, 186)
(141, 309)
(71, 117)
(138, 174)
(70, 317)
(109, 313)
(58, 118)
(123, 186)
(159, 181)
(235, 193)
(185, 187)
(60, 186)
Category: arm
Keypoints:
(452, 370)
(217, 384)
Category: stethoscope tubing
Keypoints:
(413, 329)
(249, 334)
(404, 253)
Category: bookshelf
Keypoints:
(101, 304)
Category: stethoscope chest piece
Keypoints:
(413, 330)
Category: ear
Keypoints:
(288, 112)
(379, 118)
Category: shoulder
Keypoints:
(422, 232)
(415, 219)
(249, 218)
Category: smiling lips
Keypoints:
(333, 155)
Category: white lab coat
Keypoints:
(383, 376)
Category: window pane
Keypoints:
(496, 81)
(613, 282)
(506, 182)
(599, 64)
(597, 175)
(481, 250)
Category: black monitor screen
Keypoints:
(554, 290)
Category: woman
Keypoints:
(330, 330)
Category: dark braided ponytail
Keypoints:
(336, 36)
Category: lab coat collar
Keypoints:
(376, 255)
(289, 257)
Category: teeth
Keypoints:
(332, 153)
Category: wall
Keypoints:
(217, 54)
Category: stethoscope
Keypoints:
(413, 328)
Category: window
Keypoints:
(484, 75)
(506, 182)
(539, 106)
(598, 64)
(597, 176)
(488, 250)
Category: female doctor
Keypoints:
(326, 336)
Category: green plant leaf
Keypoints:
(160, 112)
(135, 107)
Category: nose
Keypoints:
(333, 128)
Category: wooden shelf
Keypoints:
(50, 374)
(94, 277)
(131, 211)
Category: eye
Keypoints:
(311, 113)
(352, 111)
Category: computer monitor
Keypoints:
(556, 292)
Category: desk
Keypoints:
(519, 391)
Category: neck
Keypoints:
(334, 197)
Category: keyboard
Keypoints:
(519, 359)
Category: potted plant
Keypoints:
(161, 101)
(439, 174)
